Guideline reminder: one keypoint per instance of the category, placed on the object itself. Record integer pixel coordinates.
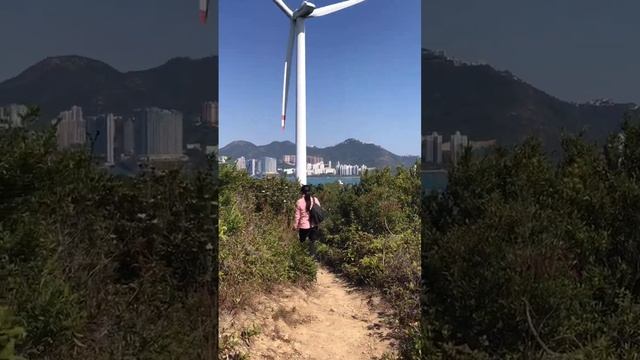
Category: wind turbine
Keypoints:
(297, 33)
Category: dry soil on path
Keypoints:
(331, 320)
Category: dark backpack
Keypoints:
(316, 214)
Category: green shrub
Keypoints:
(99, 266)
(258, 248)
(527, 258)
(372, 237)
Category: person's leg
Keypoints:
(303, 234)
(314, 233)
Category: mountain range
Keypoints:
(478, 100)
(57, 83)
(485, 103)
(350, 151)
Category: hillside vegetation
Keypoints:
(94, 266)
(259, 250)
(528, 258)
(372, 237)
(486, 103)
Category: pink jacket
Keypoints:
(302, 216)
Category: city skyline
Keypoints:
(356, 94)
(149, 133)
(316, 166)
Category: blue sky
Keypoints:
(577, 50)
(363, 74)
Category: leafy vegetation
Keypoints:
(258, 247)
(98, 266)
(372, 237)
(528, 258)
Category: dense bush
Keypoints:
(527, 258)
(372, 234)
(103, 267)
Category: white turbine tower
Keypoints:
(296, 34)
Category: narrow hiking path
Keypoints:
(330, 320)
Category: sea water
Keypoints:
(434, 180)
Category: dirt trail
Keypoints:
(331, 320)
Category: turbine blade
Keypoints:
(326, 10)
(285, 9)
(287, 72)
(204, 10)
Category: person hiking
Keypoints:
(303, 221)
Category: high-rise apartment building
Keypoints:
(158, 133)
(241, 163)
(210, 113)
(458, 144)
(291, 159)
(270, 165)
(103, 129)
(72, 129)
(433, 148)
(252, 167)
(314, 159)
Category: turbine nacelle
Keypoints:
(308, 9)
(305, 9)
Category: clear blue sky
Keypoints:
(576, 50)
(127, 34)
(363, 74)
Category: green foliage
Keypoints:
(98, 266)
(372, 232)
(526, 258)
(258, 247)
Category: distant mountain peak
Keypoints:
(69, 62)
(240, 142)
(285, 142)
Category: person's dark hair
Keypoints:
(306, 191)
